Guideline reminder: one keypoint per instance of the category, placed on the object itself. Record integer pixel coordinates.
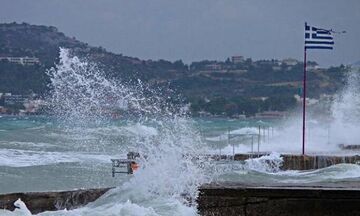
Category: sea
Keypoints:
(71, 147)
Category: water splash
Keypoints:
(346, 112)
(268, 163)
(324, 132)
(82, 97)
(81, 93)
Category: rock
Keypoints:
(38, 202)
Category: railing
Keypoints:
(262, 137)
(124, 165)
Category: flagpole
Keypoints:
(304, 104)
(315, 38)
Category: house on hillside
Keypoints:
(213, 67)
(290, 62)
(21, 60)
(11, 99)
(237, 59)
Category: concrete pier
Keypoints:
(290, 161)
(235, 198)
(304, 162)
(225, 198)
(281, 200)
(38, 202)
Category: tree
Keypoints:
(227, 61)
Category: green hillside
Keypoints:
(211, 86)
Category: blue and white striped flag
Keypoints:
(316, 38)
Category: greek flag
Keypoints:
(316, 38)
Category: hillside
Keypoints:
(236, 84)
(42, 42)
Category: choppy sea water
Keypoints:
(38, 154)
(71, 147)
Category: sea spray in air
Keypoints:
(268, 163)
(325, 133)
(346, 112)
(83, 99)
(81, 93)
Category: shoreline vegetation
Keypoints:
(237, 87)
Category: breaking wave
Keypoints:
(83, 99)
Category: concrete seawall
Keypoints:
(224, 198)
(306, 162)
(51, 201)
(236, 199)
(231, 198)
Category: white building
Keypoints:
(290, 62)
(11, 99)
(237, 59)
(22, 60)
(213, 67)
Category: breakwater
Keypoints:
(231, 199)
(224, 198)
(280, 200)
(303, 162)
(38, 202)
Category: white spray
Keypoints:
(83, 96)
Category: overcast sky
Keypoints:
(193, 30)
